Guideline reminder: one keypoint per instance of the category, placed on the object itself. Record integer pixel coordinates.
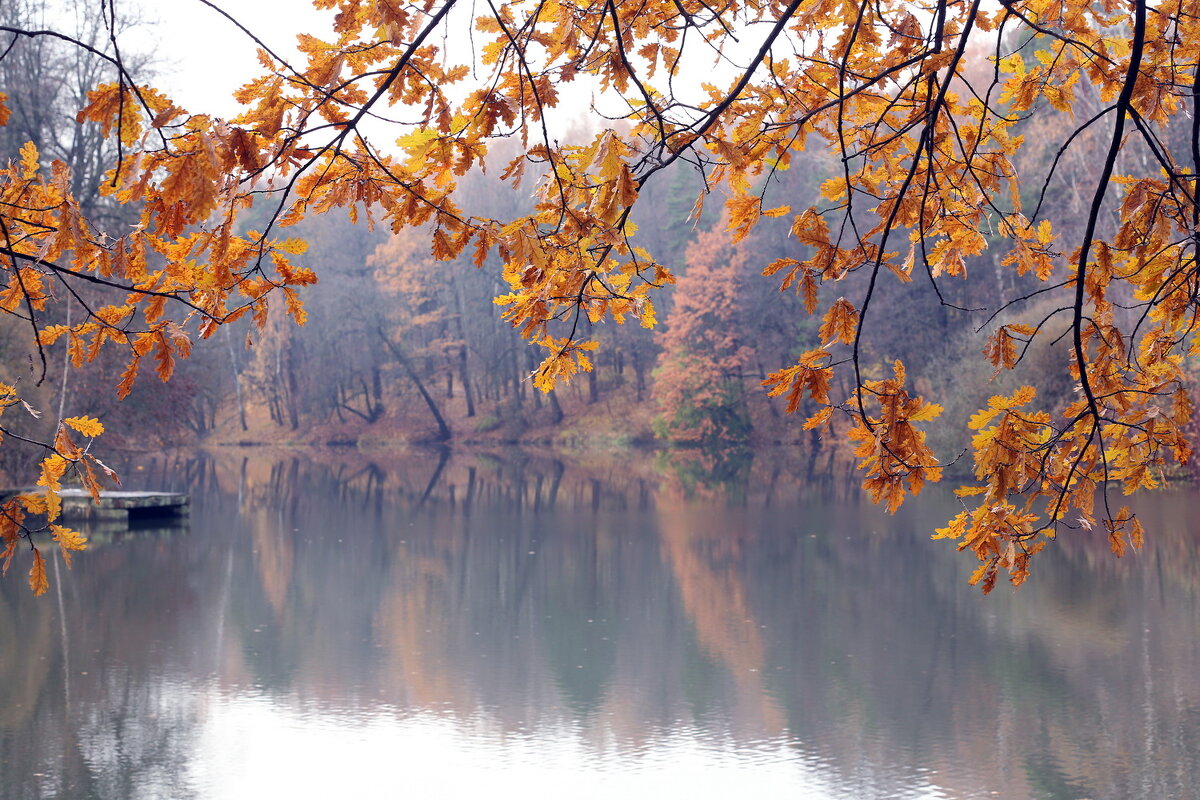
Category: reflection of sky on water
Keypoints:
(457, 626)
(253, 747)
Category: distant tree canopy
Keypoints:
(949, 127)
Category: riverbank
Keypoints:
(572, 419)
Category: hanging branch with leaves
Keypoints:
(923, 103)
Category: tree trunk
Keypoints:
(237, 381)
(556, 412)
(531, 365)
(280, 392)
(443, 429)
(293, 408)
(517, 375)
(377, 388)
(468, 395)
(463, 373)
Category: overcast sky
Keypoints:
(203, 58)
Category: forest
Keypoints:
(884, 215)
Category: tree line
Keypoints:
(867, 158)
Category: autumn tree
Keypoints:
(46, 81)
(700, 378)
(418, 326)
(922, 105)
(318, 376)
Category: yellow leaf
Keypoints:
(810, 228)
(954, 530)
(37, 574)
(53, 468)
(927, 412)
(743, 214)
(88, 426)
(6, 555)
(1115, 543)
(295, 247)
(840, 323)
(936, 62)
(68, 540)
(33, 502)
(779, 264)
(10, 532)
(29, 161)
(818, 419)
(648, 319)
(979, 573)
(1013, 64)
(1136, 533)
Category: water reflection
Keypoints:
(687, 625)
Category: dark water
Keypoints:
(510, 625)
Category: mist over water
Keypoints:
(492, 624)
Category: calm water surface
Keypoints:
(506, 624)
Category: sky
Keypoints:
(203, 58)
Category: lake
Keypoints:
(502, 624)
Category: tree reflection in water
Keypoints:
(616, 618)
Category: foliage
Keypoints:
(46, 502)
(698, 382)
(927, 108)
